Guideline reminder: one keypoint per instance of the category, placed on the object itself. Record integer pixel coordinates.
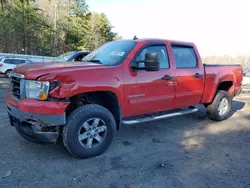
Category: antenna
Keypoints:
(135, 37)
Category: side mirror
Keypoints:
(151, 63)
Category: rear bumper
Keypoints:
(2, 72)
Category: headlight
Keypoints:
(36, 90)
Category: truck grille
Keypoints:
(16, 86)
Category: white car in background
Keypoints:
(7, 64)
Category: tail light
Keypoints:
(1, 65)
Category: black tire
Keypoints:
(7, 73)
(74, 123)
(212, 109)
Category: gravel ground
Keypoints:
(188, 151)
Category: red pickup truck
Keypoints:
(122, 82)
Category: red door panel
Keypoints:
(189, 75)
(188, 89)
(148, 92)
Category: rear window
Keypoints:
(14, 61)
(184, 57)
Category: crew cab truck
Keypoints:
(123, 82)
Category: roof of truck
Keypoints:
(158, 40)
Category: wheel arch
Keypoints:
(222, 85)
(107, 99)
(7, 71)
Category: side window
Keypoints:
(27, 61)
(162, 54)
(184, 57)
(14, 61)
(79, 57)
(8, 61)
(18, 61)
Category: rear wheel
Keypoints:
(220, 108)
(7, 73)
(89, 131)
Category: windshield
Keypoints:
(112, 53)
(63, 57)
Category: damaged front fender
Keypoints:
(77, 82)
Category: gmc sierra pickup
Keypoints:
(121, 83)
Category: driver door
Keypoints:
(149, 91)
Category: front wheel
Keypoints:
(220, 108)
(89, 131)
(8, 73)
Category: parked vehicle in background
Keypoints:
(71, 56)
(33, 58)
(247, 72)
(7, 64)
(122, 82)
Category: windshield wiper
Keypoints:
(93, 61)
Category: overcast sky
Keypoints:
(218, 27)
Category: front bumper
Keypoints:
(50, 119)
(31, 133)
(38, 128)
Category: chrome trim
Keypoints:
(15, 97)
(22, 89)
(135, 96)
(22, 85)
(148, 119)
(17, 75)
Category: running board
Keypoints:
(158, 117)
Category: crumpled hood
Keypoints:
(32, 71)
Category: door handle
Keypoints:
(167, 77)
(197, 75)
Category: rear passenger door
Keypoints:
(189, 76)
